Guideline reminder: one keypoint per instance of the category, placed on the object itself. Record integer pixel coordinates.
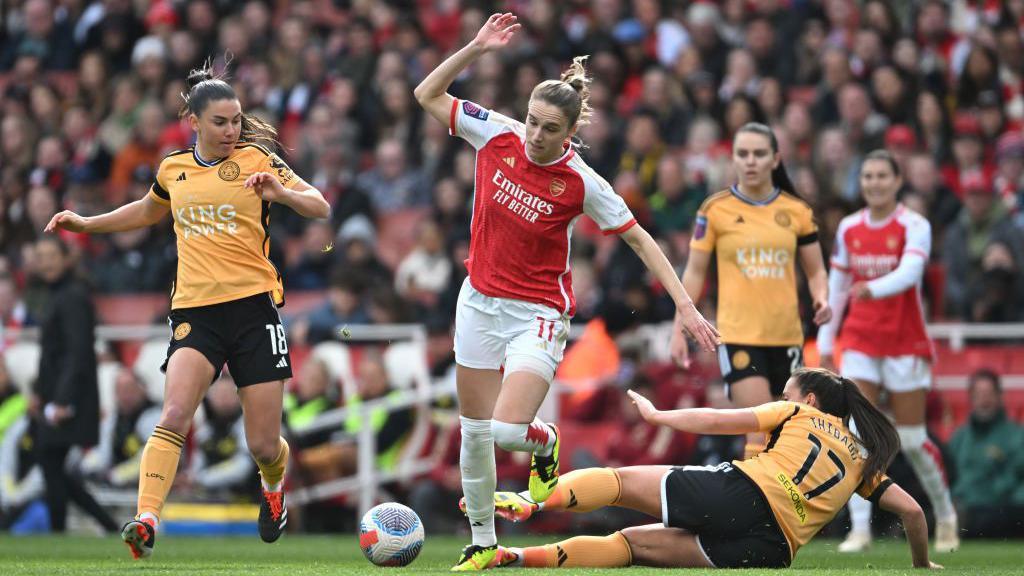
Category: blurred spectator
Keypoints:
(123, 433)
(13, 312)
(863, 127)
(21, 479)
(982, 222)
(674, 204)
(38, 33)
(644, 149)
(392, 185)
(314, 394)
(343, 305)
(133, 262)
(354, 246)
(142, 150)
(221, 464)
(423, 274)
(943, 207)
(968, 153)
(313, 265)
(65, 397)
(933, 126)
(1009, 179)
(988, 451)
(13, 404)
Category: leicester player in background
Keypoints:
(756, 229)
(225, 297)
(754, 513)
(514, 308)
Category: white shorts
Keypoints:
(894, 373)
(495, 332)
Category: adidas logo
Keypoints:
(180, 178)
(510, 160)
(739, 219)
(572, 499)
(562, 556)
(477, 523)
(282, 363)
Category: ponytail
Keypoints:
(780, 177)
(571, 93)
(203, 87)
(842, 398)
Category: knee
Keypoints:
(264, 449)
(508, 436)
(175, 418)
(474, 430)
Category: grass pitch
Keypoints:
(339, 555)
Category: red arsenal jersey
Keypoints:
(524, 212)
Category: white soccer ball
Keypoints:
(391, 534)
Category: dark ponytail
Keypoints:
(840, 397)
(202, 87)
(780, 177)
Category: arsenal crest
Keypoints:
(557, 187)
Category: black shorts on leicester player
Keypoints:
(776, 363)
(246, 333)
(729, 515)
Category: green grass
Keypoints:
(339, 555)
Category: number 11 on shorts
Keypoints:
(278, 342)
(551, 328)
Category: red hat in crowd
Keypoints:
(161, 13)
(900, 136)
(965, 124)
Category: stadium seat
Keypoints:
(338, 359)
(23, 363)
(106, 377)
(405, 362)
(147, 366)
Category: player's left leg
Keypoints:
(650, 545)
(261, 407)
(516, 426)
(907, 398)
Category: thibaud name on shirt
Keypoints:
(522, 203)
(757, 263)
(207, 220)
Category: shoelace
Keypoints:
(274, 499)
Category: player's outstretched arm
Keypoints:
(306, 200)
(897, 501)
(817, 281)
(432, 93)
(139, 214)
(697, 420)
(690, 319)
(693, 283)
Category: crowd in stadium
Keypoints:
(91, 95)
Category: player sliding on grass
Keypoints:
(753, 513)
(514, 308)
(225, 295)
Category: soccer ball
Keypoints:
(391, 534)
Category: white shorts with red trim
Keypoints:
(493, 333)
(894, 373)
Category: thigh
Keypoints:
(522, 392)
(536, 336)
(189, 374)
(199, 330)
(655, 545)
(477, 390)
(261, 411)
(641, 488)
(257, 343)
(750, 391)
(746, 372)
(479, 343)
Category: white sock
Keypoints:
(926, 460)
(519, 557)
(860, 515)
(151, 517)
(479, 479)
(536, 437)
(268, 487)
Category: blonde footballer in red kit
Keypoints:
(877, 265)
(512, 319)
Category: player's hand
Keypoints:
(827, 361)
(497, 31)
(860, 291)
(65, 220)
(822, 312)
(266, 186)
(697, 327)
(679, 349)
(647, 410)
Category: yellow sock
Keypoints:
(273, 472)
(610, 551)
(159, 463)
(585, 490)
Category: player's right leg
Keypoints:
(189, 374)
(867, 373)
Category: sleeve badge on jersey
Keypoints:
(284, 173)
(470, 109)
(701, 228)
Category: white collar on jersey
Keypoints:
(201, 162)
(866, 216)
(526, 153)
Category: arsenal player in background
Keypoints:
(513, 313)
(879, 258)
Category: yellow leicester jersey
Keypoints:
(221, 226)
(756, 244)
(809, 470)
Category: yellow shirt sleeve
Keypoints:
(771, 415)
(158, 191)
(703, 238)
(284, 174)
(807, 228)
